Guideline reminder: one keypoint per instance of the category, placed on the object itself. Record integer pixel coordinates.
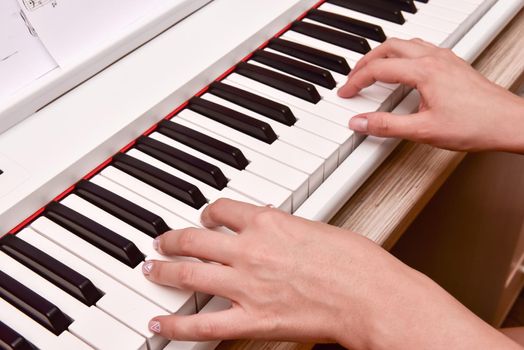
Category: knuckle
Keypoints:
(185, 275)
(379, 125)
(429, 62)
(214, 210)
(446, 53)
(424, 133)
(392, 42)
(264, 217)
(186, 240)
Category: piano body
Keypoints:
(139, 141)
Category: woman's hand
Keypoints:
(460, 109)
(293, 279)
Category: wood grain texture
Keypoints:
(394, 195)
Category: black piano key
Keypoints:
(197, 168)
(103, 238)
(11, 340)
(335, 37)
(236, 120)
(165, 182)
(206, 144)
(256, 103)
(394, 5)
(299, 69)
(51, 269)
(404, 5)
(292, 86)
(348, 24)
(321, 58)
(365, 7)
(33, 305)
(136, 216)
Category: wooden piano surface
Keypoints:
(395, 194)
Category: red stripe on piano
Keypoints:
(176, 110)
(99, 168)
(26, 222)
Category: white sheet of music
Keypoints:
(23, 57)
(71, 29)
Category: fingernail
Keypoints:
(154, 326)
(147, 267)
(270, 206)
(156, 244)
(359, 124)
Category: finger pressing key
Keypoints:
(232, 323)
(198, 243)
(396, 48)
(202, 277)
(390, 70)
(232, 214)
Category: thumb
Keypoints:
(387, 125)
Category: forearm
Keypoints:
(430, 319)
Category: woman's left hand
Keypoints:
(293, 279)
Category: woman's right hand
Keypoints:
(459, 109)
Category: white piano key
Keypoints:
(35, 333)
(430, 10)
(118, 301)
(297, 137)
(279, 151)
(170, 299)
(90, 324)
(358, 103)
(452, 5)
(214, 305)
(315, 124)
(322, 109)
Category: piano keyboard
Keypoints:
(270, 131)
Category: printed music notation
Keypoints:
(32, 5)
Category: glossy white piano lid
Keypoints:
(45, 80)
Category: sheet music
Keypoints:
(71, 29)
(23, 57)
(38, 36)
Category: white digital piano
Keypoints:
(195, 101)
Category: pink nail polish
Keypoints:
(154, 326)
(156, 244)
(147, 267)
